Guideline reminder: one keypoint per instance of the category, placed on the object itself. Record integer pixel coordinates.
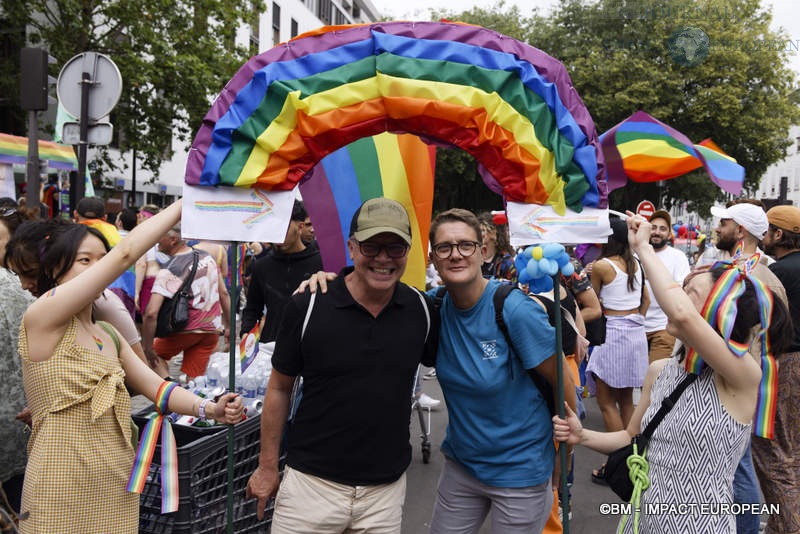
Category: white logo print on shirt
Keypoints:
(489, 349)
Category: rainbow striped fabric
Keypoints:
(644, 149)
(169, 452)
(508, 104)
(720, 310)
(14, 150)
(400, 167)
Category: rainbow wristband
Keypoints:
(169, 453)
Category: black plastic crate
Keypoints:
(203, 484)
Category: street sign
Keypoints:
(646, 209)
(105, 83)
(99, 133)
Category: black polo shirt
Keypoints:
(352, 425)
(787, 270)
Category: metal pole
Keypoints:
(234, 292)
(132, 198)
(80, 190)
(32, 165)
(562, 448)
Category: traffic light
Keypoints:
(34, 80)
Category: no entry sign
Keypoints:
(646, 209)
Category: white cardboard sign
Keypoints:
(236, 214)
(533, 223)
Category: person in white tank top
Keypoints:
(619, 364)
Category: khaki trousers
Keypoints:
(306, 503)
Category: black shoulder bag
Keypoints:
(174, 312)
(617, 464)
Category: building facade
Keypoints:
(282, 20)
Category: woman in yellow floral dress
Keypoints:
(75, 371)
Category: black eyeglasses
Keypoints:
(465, 248)
(393, 250)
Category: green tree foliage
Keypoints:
(174, 58)
(618, 55)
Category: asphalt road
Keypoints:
(423, 478)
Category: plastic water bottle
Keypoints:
(249, 383)
(213, 375)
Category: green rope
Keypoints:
(637, 471)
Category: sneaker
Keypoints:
(428, 402)
(430, 375)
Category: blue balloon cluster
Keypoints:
(538, 263)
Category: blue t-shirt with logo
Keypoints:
(499, 429)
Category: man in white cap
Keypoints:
(743, 221)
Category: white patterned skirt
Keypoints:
(620, 362)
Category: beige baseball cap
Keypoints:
(380, 215)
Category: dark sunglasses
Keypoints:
(393, 250)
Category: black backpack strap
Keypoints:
(666, 406)
(438, 297)
(544, 387)
(500, 296)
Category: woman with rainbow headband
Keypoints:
(693, 453)
(81, 474)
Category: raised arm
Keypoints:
(740, 373)
(53, 310)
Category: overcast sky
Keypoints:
(786, 13)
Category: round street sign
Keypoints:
(646, 209)
(104, 90)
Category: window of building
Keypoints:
(276, 24)
(294, 29)
(797, 139)
(339, 17)
(356, 11)
(255, 32)
(324, 11)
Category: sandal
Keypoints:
(599, 476)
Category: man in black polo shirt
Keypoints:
(357, 348)
(777, 461)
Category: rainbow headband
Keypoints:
(720, 311)
(169, 453)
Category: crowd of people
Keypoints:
(90, 301)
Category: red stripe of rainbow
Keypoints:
(147, 445)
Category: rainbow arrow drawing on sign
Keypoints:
(260, 207)
(534, 222)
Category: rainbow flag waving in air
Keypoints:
(644, 149)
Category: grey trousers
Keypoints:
(463, 502)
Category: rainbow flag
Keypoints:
(14, 150)
(644, 149)
(343, 180)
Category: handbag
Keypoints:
(616, 469)
(174, 312)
